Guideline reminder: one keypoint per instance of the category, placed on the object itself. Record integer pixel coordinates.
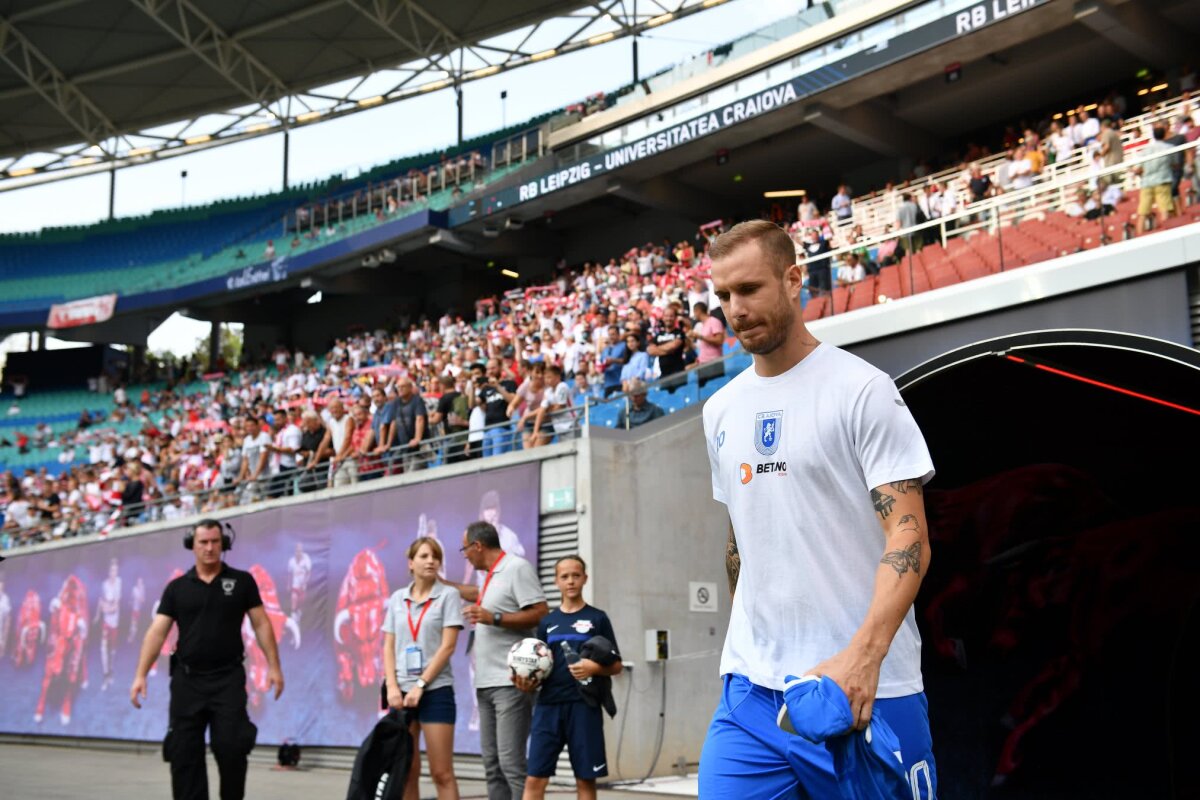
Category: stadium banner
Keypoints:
(31, 313)
(951, 23)
(87, 311)
(266, 272)
(325, 570)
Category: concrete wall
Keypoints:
(651, 527)
(1154, 305)
(651, 225)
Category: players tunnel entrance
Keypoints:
(1061, 616)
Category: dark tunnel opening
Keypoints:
(1061, 613)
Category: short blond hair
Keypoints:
(776, 246)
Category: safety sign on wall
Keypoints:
(702, 596)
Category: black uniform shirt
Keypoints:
(495, 407)
(210, 615)
(672, 362)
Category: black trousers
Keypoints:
(216, 702)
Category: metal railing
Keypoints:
(525, 146)
(991, 231)
(387, 195)
(875, 210)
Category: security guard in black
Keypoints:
(209, 616)
(208, 681)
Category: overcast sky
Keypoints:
(359, 141)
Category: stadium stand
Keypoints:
(1075, 160)
(1081, 204)
(177, 247)
(169, 249)
(187, 438)
(73, 446)
(84, 462)
(43, 436)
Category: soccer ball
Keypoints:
(530, 658)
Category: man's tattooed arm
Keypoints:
(733, 561)
(904, 487)
(901, 516)
(883, 503)
(904, 559)
(900, 511)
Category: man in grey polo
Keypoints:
(505, 610)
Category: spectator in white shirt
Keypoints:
(1021, 170)
(1089, 128)
(850, 270)
(1113, 195)
(283, 448)
(1076, 207)
(841, 204)
(553, 413)
(1060, 143)
(254, 457)
(807, 211)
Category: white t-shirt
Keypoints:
(476, 424)
(794, 459)
(560, 395)
(1063, 145)
(252, 447)
(18, 510)
(288, 438)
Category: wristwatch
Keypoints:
(496, 618)
(421, 684)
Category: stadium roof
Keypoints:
(102, 81)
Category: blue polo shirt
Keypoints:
(612, 373)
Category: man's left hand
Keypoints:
(275, 680)
(856, 672)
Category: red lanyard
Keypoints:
(415, 629)
(488, 579)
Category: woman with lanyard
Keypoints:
(420, 633)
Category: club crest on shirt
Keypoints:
(582, 626)
(227, 584)
(768, 429)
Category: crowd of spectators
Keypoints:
(1088, 137)
(516, 375)
(384, 401)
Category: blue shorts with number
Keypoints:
(746, 755)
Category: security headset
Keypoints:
(227, 534)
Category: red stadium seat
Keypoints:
(815, 308)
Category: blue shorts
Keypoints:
(437, 707)
(746, 755)
(576, 725)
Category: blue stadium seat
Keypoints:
(605, 414)
(710, 388)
